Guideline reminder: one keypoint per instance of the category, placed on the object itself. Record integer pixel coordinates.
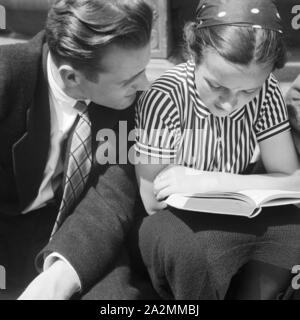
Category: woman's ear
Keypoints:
(69, 76)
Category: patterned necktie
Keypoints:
(79, 163)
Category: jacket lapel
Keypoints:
(30, 153)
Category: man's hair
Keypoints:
(237, 44)
(80, 31)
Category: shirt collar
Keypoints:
(200, 109)
(66, 101)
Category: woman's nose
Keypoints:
(229, 100)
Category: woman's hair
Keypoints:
(79, 31)
(237, 44)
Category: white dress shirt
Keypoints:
(63, 116)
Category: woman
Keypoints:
(198, 129)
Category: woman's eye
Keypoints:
(249, 91)
(214, 86)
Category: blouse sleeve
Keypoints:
(272, 116)
(157, 125)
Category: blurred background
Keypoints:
(25, 18)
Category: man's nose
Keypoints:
(143, 83)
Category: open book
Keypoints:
(247, 203)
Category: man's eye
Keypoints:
(125, 84)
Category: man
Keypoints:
(56, 93)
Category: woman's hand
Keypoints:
(179, 179)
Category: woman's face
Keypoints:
(224, 86)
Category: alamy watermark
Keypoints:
(296, 278)
(2, 278)
(113, 148)
(2, 18)
(296, 18)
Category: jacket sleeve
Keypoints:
(91, 237)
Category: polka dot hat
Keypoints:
(261, 14)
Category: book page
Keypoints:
(236, 206)
(272, 197)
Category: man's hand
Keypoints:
(56, 283)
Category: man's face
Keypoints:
(124, 75)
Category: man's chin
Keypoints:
(123, 104)
(131, 99)
(119, 107)
(127, 103)
(124, 107)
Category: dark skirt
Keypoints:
(195, 255)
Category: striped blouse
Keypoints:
(174, 125)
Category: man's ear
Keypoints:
(69, 75)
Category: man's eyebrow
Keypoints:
(133, 77)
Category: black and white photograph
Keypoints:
(149, 151)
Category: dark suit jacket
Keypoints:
(95, 229)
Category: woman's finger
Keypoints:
(165, 174)
(159, 185)
(161, 176)
(164, 193)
